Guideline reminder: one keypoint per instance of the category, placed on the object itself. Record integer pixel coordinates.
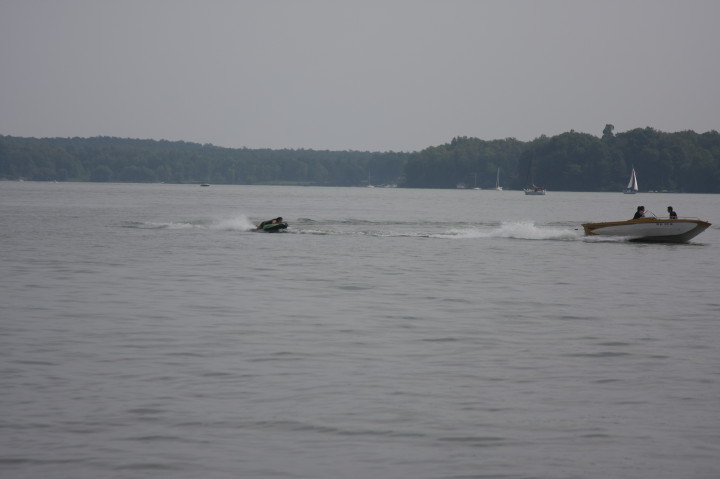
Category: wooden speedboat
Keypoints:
(649, 229)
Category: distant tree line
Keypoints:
(106, 159)
(683, 161)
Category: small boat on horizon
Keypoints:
(497, 181)
(632, 186)
(533, 190)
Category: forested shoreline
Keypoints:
(682, 161)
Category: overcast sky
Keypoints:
(374, 75)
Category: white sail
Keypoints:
(497, 181)
(632, 186)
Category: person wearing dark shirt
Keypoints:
(640, 213)
(672, 213)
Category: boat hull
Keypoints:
(649, 229)
(535, 192)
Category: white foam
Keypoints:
(238, 223)
(519, 230)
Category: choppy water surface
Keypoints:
(146, 331)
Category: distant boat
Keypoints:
(497, 181)
(533, 190)
(205, 184)
(632, 186)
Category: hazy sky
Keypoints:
(373, 75)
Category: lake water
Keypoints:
(146, 331)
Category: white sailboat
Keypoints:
(533, 190)
(497, 181)
(632, 186)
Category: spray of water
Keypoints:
(238, 223)
(516, 230)
(520, 230)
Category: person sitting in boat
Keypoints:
(640, 213)
(672, 213)
(270, 222)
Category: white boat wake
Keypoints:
(237, 223)
(518, 230)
